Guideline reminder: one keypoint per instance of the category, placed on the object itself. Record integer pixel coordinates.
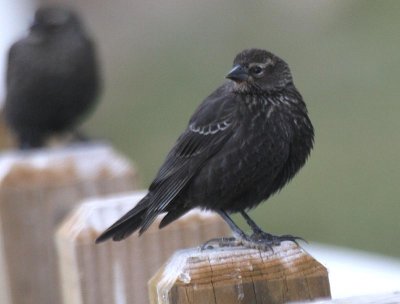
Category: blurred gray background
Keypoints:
(161, 58)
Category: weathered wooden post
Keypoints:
(6, 140)
(37, 189)
(117, 272)
(239, 275)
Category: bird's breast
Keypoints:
(253, 153)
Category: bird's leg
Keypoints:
(259, 239)
(251, 223)
(260, 236)
(79, 136)
(30, 139)
(236, 240)
(235, 228)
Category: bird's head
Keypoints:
(256, 69)
(54, 19)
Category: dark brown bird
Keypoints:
(52, 77)
(243, 144)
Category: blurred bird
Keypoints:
(52, 78)
(243, 144)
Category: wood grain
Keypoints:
(240, 275)
(37, 189)
(117, 272)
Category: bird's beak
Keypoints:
(238, 74)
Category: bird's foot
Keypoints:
(221, 242)
(258, 240)
(265, 241)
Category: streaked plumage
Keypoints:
(243, 143)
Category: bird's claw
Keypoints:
(258, 240)
(274, 239)
(264, 241)
(221, 242)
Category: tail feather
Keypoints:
(172, 215)
(127, 224)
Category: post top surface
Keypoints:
(85, 161)
(94, 215)
(195, 266)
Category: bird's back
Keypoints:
(53, 79)
(51, 85)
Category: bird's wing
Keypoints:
(208, 130)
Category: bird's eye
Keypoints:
(256, 70)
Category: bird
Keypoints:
(52, 77)
(244, 143)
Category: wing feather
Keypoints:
(210, 127)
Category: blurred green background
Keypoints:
(161, 58)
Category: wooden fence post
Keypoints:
(239, 275)
(6, 140)
(37, 189)
(117, 272)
